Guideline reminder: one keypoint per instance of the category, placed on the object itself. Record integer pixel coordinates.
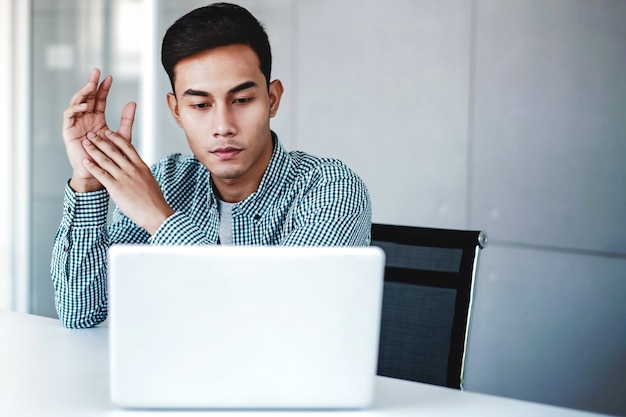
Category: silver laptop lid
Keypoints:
(244, 327)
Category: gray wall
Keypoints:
(502, 116)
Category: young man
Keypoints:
(239, 187)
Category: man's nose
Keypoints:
(223, 121)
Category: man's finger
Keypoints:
(127, 120)
(100, 103)
(125, 148)
(87, 93)
(69, 114)
(105, 154)
(99, 173)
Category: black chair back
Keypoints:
(428, 291)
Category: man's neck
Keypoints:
(234, 192)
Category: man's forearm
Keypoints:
(78, 265)
(79, 276)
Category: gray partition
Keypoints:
(549, 326)
(549, 186)
(385, 86)
(549, 123)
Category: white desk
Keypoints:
(47, 370)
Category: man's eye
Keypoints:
(200, 106)
(242, 100)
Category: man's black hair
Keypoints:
(212, 26)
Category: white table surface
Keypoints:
(47, 370)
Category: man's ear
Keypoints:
(276, 92)
(172, 103)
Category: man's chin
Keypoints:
(228, 174)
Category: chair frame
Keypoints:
(470, 242)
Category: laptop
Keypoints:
(244, 327)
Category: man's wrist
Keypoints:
(155, 222)
(80, 185)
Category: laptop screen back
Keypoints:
(243, 326)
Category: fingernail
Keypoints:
(86, 142)
(91, 135)
(107, 132)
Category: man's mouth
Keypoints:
(227, 152)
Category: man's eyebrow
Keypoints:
(243, 86)
(192, 92)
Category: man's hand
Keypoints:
(86, 114)
(114, 163)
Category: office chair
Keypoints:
(427, 298)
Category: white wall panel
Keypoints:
(6, 150)
(384, 86)
(549, 123)
(549, 327)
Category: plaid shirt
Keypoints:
(301, 200)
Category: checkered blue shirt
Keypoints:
(301, 200)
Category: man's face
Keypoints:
(223, 104)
